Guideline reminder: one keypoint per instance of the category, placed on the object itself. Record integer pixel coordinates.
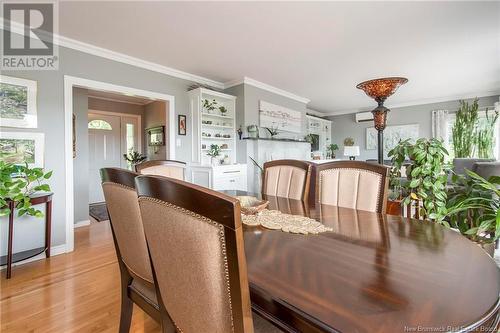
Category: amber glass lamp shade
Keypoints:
(380, 89)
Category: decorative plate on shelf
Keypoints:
(251, 205)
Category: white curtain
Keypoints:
(440, 125)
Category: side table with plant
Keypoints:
(18, 183)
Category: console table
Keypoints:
(10, 258)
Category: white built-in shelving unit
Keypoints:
(210, 126)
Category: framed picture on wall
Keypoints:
(182, 125)
(21, 148)
(17, 102)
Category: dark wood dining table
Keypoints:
(372, 273)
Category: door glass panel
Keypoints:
(100, 124)
(130, 138)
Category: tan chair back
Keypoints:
(165, 168)
(287, 179)
(195, 241)
(123, 209)
(352, 184)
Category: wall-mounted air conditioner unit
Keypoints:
(364, 116)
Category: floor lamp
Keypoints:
(379, 90)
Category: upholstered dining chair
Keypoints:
(352, 184)
(137, 283)
(195, 241)
(165, 168)
(287, 179)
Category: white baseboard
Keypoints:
(83, 223)
(54, 251)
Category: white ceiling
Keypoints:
(317, 50)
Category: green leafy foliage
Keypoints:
(312, 139)
(273, 131)
(222, 110)
(485, 135)
(17, 183)
(209, 105)
(426, 173)
(464, 131)
(473, 206)
(214, 150)
(134, 157)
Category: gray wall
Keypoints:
(51, 122)
(344, 126)
(241, 148)
(81, 161)
(155, 115)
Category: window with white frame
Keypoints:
(482, 121)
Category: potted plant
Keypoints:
(209, 106)
(222, 110)
(426, 176)
(273, 131)
(485, 135)
(473, 208)
(133, 158)
(464, 132)
(214, 152)
(253, 131)
(333, 147)
(18, 183)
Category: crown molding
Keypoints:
(119, 100)
(267, 87)
(419, 102)
(315, 113)
(119, 57)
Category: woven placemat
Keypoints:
(276, 220)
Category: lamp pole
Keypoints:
(380, 119)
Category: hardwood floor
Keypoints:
(74, 292)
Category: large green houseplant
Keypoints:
(426, 175)
(464, 131)
(473, 207)
(17, 183)
(485, 135)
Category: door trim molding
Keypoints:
(69, 83)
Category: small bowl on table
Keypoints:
(251, 205)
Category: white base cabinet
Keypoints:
(220, 178)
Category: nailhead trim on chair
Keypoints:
(354, 169)
(222, 240)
